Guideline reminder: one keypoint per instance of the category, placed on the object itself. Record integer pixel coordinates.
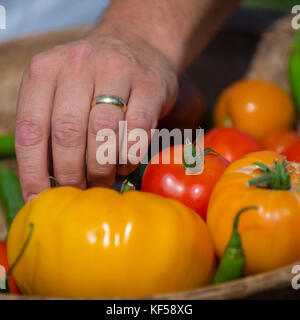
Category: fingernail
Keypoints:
(30, 197)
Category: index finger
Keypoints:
(33, 128)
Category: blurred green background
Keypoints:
(272, 5)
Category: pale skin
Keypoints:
(136, 52)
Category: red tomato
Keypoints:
(231, 143)
(293, 152)
(280, 141)
(13, 289)
(171, 180)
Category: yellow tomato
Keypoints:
(256, 107)
(270, 235)
(101, 243)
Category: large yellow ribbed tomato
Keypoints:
(271, 234)
(99, 243)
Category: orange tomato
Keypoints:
(256, 107)
(280, 141)
(270, 235)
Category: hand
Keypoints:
(54, 107)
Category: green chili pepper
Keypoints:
(294, 69)
(7, 146)
(232, 264)
(10, 194)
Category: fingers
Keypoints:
(55, 101)
(69, 126)
(33, 125)
(103, 132)
(144, 108)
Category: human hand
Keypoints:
(54, 106)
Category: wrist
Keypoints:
(150, 28)
(178, 29)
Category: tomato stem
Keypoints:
(275, 177)
(55, 181)
(263, 166)
(22, 250)
(208, 150)
(190, 152)
(127, 186)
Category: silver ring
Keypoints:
(109, 99)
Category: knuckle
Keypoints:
(69, 177)
(118, 61)
(151, 79)
(146, 84)
(79, 53)
(101, 121)
(38, 65)
(31, 171)
(155, 89)
(160, 83)
(28, 133)
(67, 133)
(115, 63)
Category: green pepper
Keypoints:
(232, 264)
(7, 146)
(10, 194)
(294, 69)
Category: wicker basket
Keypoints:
(268, 63)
